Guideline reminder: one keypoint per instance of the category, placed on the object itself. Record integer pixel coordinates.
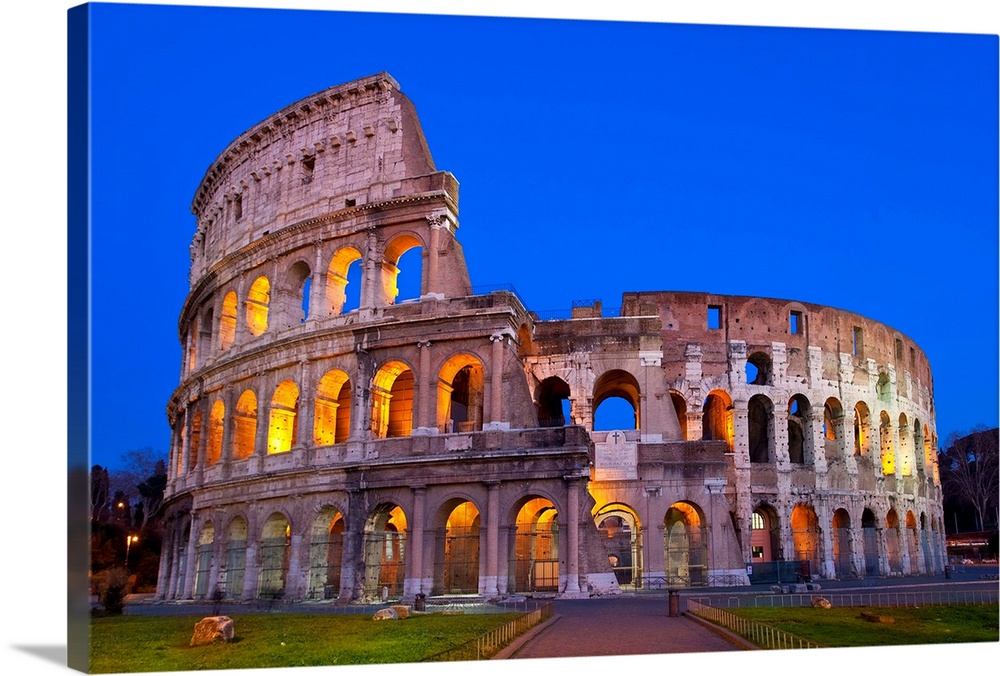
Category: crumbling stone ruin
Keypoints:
(334, 441)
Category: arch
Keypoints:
(616, 384)
(332, 416)
(842, 555)
(456, 569)
(861, 415)
(245, 425)
(620, 531)
(534, 565)
(833, 415)
(799, 432)
(806, 539)
(759, 369)
(227, 321)
(869, 534)
(461, 384)
(906, 455)
(282, 432)
(893, 550)
(553, 402)
(912, 541)
(392, 265)
(195, 441)
(205, 326)
(236, 557)
(765, 542)
(326, 550)
(717, 417)
(258, 305)
(275, 547)
(760, 424)
(685, 546)
(297, 285)
(216, 424)
(886, 449)
(680, 408)
(203, 561)
(339, 276)
(392, 401)
(883, 388)
(930, 456)
(384, 553)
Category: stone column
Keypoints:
(818, 440)
(573, 533)
(425, 392)
(694, 425)
(293, 581)
(255, 461)
(352, 561)
(741, 436)
(496, 383)
(435, 223)
(250, 566)
(162, 575)
(217, 552)
(199, 466)
(415, 582)
(780, 439)
(305, 416)
(845, 443)
(492, 538)
(192, 557)
(317, 288)
(228, 426)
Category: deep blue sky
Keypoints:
(856, 169)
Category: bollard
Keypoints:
(674, 602)
(419, 603)
(947, 572)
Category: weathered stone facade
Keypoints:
(330, 442)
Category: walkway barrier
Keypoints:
(760, 634)
(487, 645)
(880, 599)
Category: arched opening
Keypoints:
(457, 567)
(799, 434)
(805, 539)
(925, 543)
(195, 440)
(203, 564)
(192, 346)
(535, 556)
(275, 546)
(887, 452)
(205, 326)
(892, 547)
(869, 532)
(883, 388)
(861, 429)
(758, 369)
(616, 401)
(258, 303)
(460, 394)
(764, 535)
(553, 402)
(402, 270)
(717, 417)
(216, 424)
(392, 401)
(325, 552)
(842, 554)
(760, 424)
(680, 408)
(832, 416)
(906, 459)
(227, 321)
(930, 453)
(281, 435)
(332, 417)
(297, 284)
(245, 425)
(384, 547)
(236, 558)
(620, 531)
(343, 281)
(912, 542)
(685, 543)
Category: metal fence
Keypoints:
(880, 599)
(487, 645)
(757, 633)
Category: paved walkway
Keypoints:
(619, 626)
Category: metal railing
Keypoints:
(762, 635)
(881, 599)
(487, 645)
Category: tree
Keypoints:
(151, 493)
(100, 493)
(969, 471)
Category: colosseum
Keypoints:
(332, 441)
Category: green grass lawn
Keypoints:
(140, 643)
(844, 627)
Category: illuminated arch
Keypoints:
(906, 455)
(886, 448)
(869, 534)
(685, 545)
(392, 401)
(216, 425)
(337, 281)
(326, 550)
(680, 408)
(892, 542)
(275, 546)
(227, 321)
(620, 531)
(384, 553)
(258, 304)
(281, 434)
(806, 537)
(456, 569)
(616, 384)
(912, 541)
(833, 413)
(332, 416)
(717, 417)
(842, 554)
(236, 558)
(460, 390)
(245, 425)
(298, 281)
(203, 561)
(394, 250)
(534, 564)
(195, 440)
(861, 429)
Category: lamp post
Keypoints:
(128, 544)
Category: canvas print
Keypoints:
(427, 338)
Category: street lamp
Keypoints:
(128, 544)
